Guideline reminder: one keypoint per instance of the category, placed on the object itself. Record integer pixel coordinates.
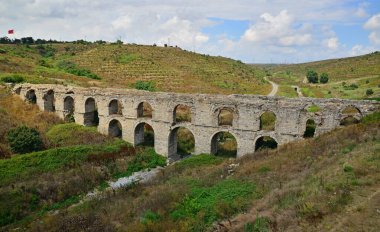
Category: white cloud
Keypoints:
(278, 30)
(122, 22)
(358, 50)
(332, 43)
(373, 24)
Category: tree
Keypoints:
(324, 78)
(369, 92)
(312, 76)
(24, 140)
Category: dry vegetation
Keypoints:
(324, 183)
(169, 69)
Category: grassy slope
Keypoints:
(172, 69)
(358, 70)
(32, 184)
(316, 185)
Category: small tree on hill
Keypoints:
(312, 76)
(324, 78)
(24, 140)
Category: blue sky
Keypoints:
(260, 31)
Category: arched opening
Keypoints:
(91, 117)
(310, 128)
(349, 120)
(115, 129)
(181, 142)
(144, 135)
(49, 101)
(68, 107)
(224, 144)
(268, 121)
(225, 117)
(265, 142)
(115, 107)
(182, 113)
(144, 110)
(351, 110)
(31, 96)
(350, 115)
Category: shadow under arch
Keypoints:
(115, 129)
(265, 142)
(31, 97)
(181, 142)
(49, 101)
(144, 135)
(69, 108)
(115, 107)
(91, 117)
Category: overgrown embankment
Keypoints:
(327, 182)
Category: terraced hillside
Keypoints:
(115, 65)
(348, 77)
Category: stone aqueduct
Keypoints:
(120, 111)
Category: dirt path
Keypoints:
(274, 87)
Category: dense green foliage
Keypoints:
(72, 68)
(24, 139)
(12, 79)
(312, 76)
(324, 78)
(198, 161)
(210, 203)
(145, 85)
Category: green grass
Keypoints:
(199, 161)
(125, 59)
(211, 203)
(70, 134)
(286, 91)
(313, 109)
(27, 165)
(145, 158)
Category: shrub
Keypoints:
(312, 76)
(13, 79)
(324, 78)
(369, 92)
(24, 139)
(351, 87)
(145, 85)
(72, 68)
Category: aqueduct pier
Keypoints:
(121, 112)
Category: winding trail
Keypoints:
(274, 87)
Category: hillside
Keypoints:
(116, 65)
(362, 71)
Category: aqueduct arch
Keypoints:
(115, 107)
(49, 101)
(91, 117)
(144, 134)
(224, 143)
(115, 129)
(69, 108)
(290, 114)
(31, 96)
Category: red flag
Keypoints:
(11, 32)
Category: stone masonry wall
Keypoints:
(291, 114)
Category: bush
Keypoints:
(369, 92)
(145, 85)
(312, 76)
(24, 140)
(72, 68)
(13, 79)
(324, 78)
